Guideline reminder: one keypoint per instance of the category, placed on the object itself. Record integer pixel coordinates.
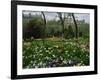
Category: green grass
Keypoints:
(37, 54)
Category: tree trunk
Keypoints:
(76, 27)
(44, 28)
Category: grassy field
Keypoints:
(55, 53)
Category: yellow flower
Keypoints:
(56, 46)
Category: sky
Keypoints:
(53, 15)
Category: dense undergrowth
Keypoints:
(48, 53)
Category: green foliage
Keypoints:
(34, 28)
(84, 28)
(86, 36)
(43, 45)
(69, 33)
(53, 28)
(53, 54)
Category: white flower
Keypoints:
(53, 55)
(49, 48)
(66, 51)
(73, 50)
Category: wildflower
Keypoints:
(56, 46)
(73, 50)
(66, 51)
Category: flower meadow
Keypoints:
(61, 53)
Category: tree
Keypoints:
(76, 27)
(62, 19)
(44, 18)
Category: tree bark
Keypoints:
(44, 18)
(44, 28)
(76, 27)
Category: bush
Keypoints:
(69, 33)
(34, 29)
